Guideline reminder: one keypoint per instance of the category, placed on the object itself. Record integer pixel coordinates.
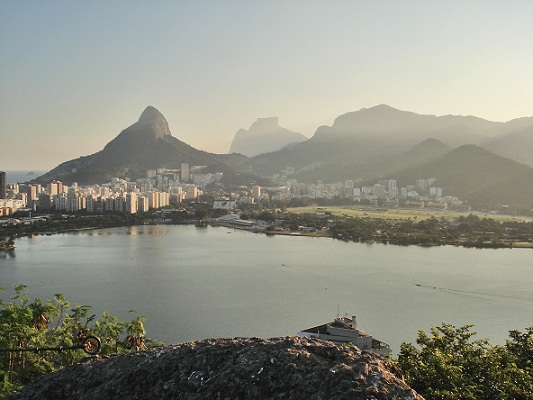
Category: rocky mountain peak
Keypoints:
(151, 117)
(264, 125)
(146, 144)
(265, 135)
(380, 108)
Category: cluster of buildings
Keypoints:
(422, 194)
(158, 189)
(162, 187)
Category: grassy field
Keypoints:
(399, 214)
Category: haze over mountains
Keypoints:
(380, 131)
(515, 140)
(366, 145)
(264, 136)
(477, 175)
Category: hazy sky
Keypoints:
(73, 74)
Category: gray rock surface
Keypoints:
(241, 368)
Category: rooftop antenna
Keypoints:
(338, 311)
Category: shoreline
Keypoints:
(478, 245)
(401, 241)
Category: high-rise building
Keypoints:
(192, 192)
(421, 184)
(31, 190)
(256, 192)
(131, 203)
(142, 204)
(91, 202)
(55, 187)
(153, 199)
(392, 189)
(3, 185)
(164, 199)
(184, 172)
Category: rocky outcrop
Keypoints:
(242, 368)
(152, 120)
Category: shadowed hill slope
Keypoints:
(374, 167)
(476, 175)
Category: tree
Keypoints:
(449, 364)
(266, 216)
(201, 213)
(31, 324)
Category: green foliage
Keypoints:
(26, 323)
(201, 213)
(470, 231)
(449, 364)
(266, 216)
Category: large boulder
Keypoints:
(241, 368)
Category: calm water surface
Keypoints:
(194, 283)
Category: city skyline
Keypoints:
(74, 75)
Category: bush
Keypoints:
(449, 365)
(32, 324)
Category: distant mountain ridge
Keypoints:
(382, 142)
(265, 135)
(387, 122)
(366, 145)
(383, 132)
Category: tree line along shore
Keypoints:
(366, 226)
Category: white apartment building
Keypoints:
(153, 199)
(164, 199)
(131, 203)
(10, 206)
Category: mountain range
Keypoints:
(366, 145)
(380, 132)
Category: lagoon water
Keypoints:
(195, 283)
